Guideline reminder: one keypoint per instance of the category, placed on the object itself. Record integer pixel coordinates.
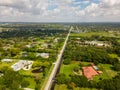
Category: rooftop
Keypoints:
(89, 72)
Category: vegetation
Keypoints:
(30, 42)
(91, 43)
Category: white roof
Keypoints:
(22, 65)
(7, 60)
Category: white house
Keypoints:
(22, 64)
(6, 60)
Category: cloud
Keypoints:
(103, 9)
(59, 10)
(25, 6)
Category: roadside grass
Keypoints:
(46, 78)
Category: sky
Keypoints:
(59, 10)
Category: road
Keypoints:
(54, 71)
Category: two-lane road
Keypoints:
(57, 64)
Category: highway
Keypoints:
(57, 64)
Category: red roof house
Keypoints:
(89, 72)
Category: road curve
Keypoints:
(54, 71)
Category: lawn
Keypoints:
(61, 87)
(68, 69)
(108, 73)
(64, 87)
(31, 82)
(105, 68)
(84, 88)
(29, 73)
(7, 64)
(119, 41)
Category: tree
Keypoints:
(24, 83)
(116, 66)
(72, 85)
(14, 51)
(62, 79)
(11, 80)
(37, 64)
(76, 68)
(66, 61)
(80, 81)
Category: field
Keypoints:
(6, 64)
(89, 34)
(32, 82)
(64, 87)
(68, 69)
(107, 70)
(101, 33)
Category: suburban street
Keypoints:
(58, 61)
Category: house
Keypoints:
(24, 54)
(43, 55)
(95, 67)
(6, 60)
(56, 40)
(22, 64)
(28, 46)
(1, 74)
(96, 43)
(89, 72)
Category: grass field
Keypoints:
(105, 68)
(31, 81)
(68, 69)
(107, 72)
(119, 40)
(7, 64)
(60, 87)
(89, 34)
(64, 87)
